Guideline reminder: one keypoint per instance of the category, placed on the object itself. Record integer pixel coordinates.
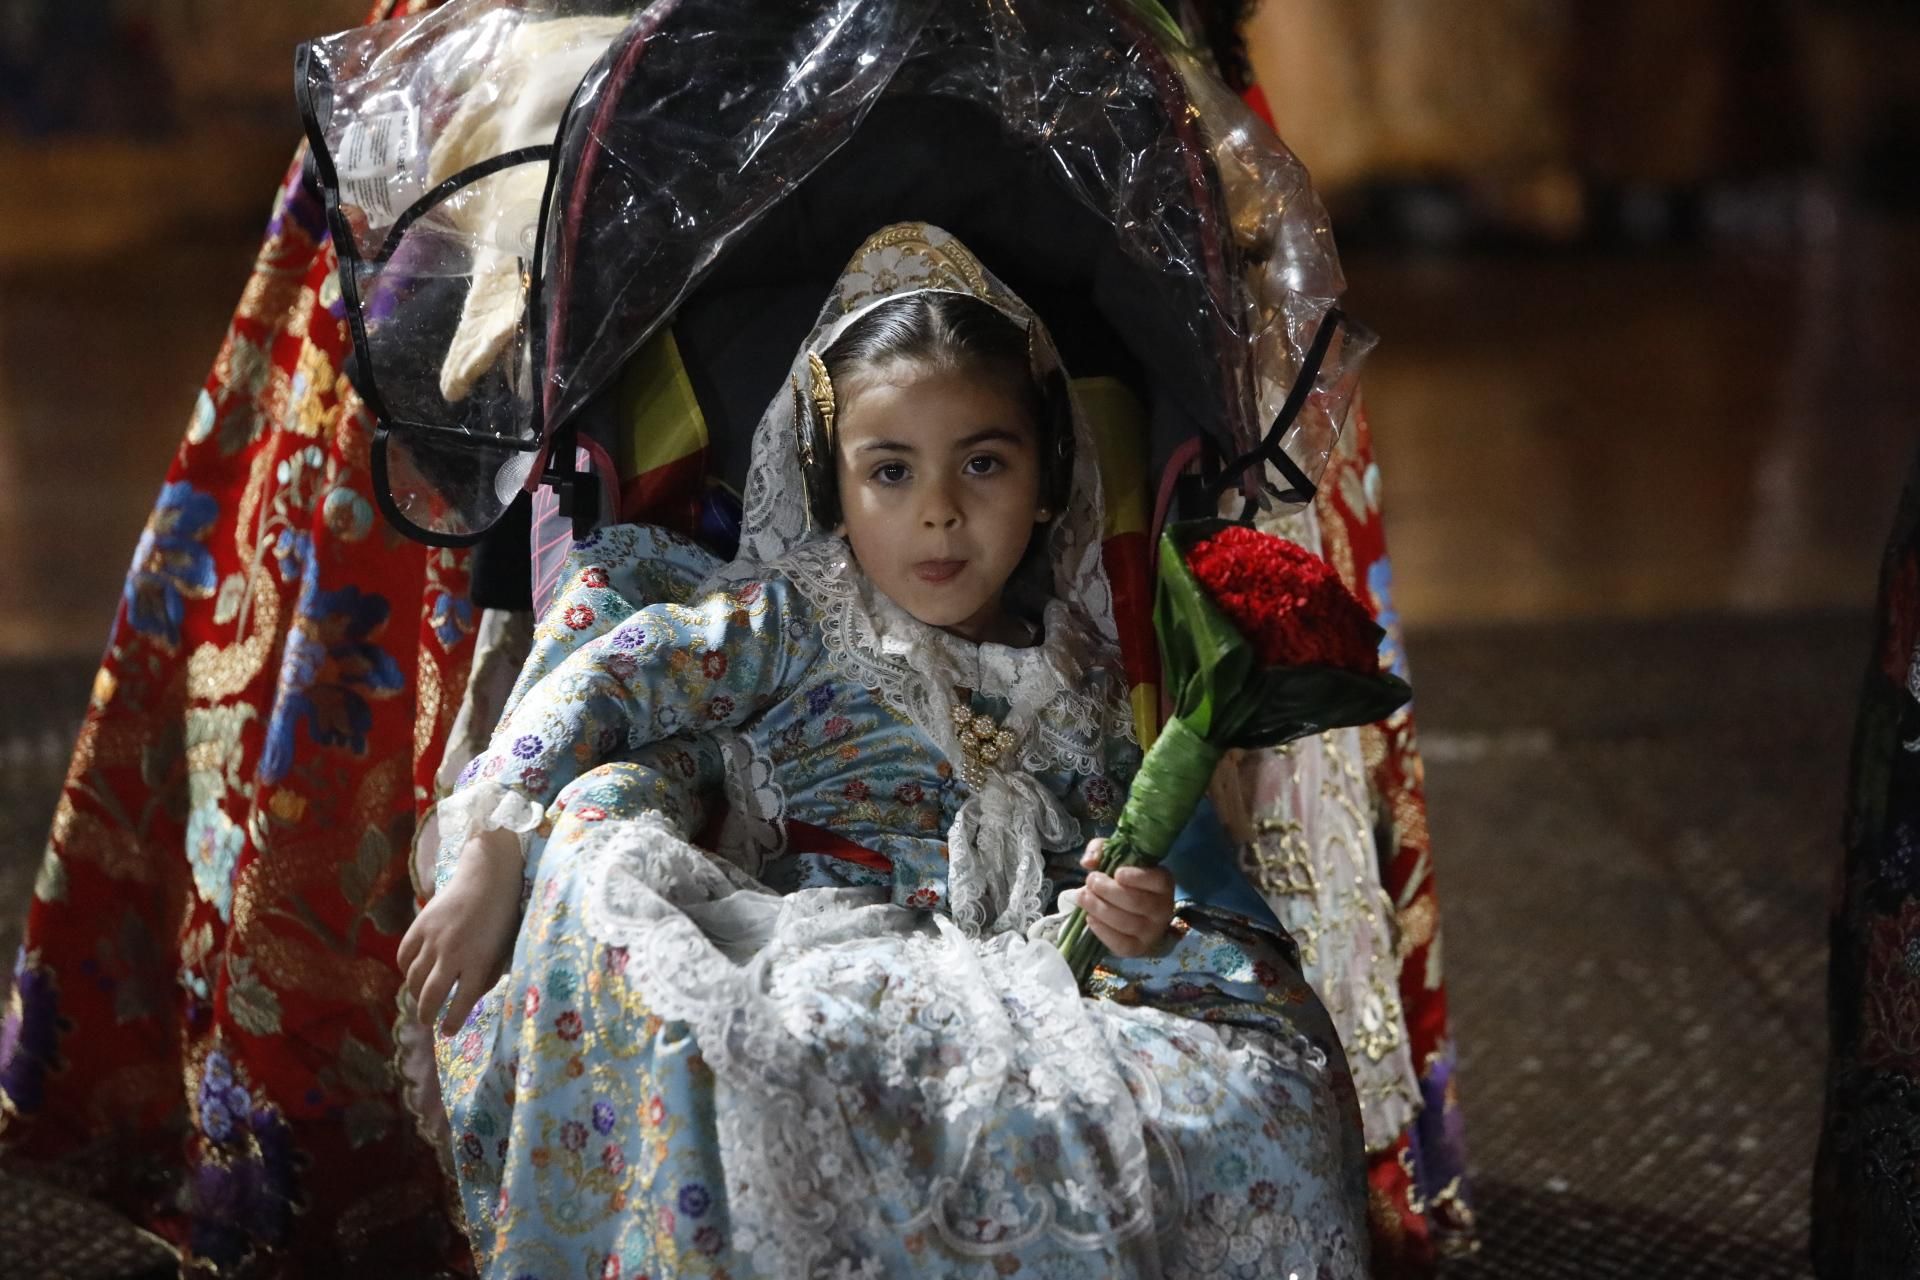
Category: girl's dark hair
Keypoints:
(951, 331)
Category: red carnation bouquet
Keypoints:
(1260, 644)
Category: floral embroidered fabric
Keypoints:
(861, 1054)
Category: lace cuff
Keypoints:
(482, 805)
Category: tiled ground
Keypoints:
(1635, 825)
(1635, 829)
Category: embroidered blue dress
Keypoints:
(842, 1043)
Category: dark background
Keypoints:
(1646, 276)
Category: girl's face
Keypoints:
(939, 491)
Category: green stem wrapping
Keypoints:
(1172, 779)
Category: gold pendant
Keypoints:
(984, 744)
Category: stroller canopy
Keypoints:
(522, 193)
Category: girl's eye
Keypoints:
(890, 472)
(984, 464)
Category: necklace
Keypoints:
(984, 743)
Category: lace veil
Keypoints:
(1059, 716)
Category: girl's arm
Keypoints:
(462, 939)
(668, 669)
(1128, 911)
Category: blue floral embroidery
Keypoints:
(452, 619)
(1380, 586)
(225, 1105)
(819, 698)
(172, 562)
(214, 842)
(694, 1200)
(331, 666)
(293, 549)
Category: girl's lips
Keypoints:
(938, 570)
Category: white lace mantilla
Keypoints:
(1058, 713)
(812, 1006)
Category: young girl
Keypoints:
(842, 1042)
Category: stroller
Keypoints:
(566, 228)
(579, 241)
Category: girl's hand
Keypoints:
(1130, 910)
(465, 932)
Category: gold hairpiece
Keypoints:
(822, 391)
(1034, 352)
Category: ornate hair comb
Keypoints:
(822, 391)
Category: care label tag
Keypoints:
(376, 161)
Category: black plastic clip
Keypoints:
(577, 490)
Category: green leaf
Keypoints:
(394, 910)
(254, 1006)
(198, 945)
(358, 877)
(1285, 703)
(367, 1121)
(363, 1068)
(1204, 660)
(160, 758)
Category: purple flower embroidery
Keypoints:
(694, 1200)
(603, 1117)
(819, 698)
(631, 637)
(527, 746)
(573, 1135)
(29, 1035)
(241, 1193)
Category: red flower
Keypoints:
(909, 793)
(593, 576)
(714, 663)
(657, 1111)
(925, 899)
(579, 617)
(533, 1000)
(856, 790)
(568, 1025)
(1288, 602)
(720, 708)
(590, 813)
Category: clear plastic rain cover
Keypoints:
(522, 192)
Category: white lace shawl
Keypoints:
(998, 841)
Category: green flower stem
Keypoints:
(1172, 779)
